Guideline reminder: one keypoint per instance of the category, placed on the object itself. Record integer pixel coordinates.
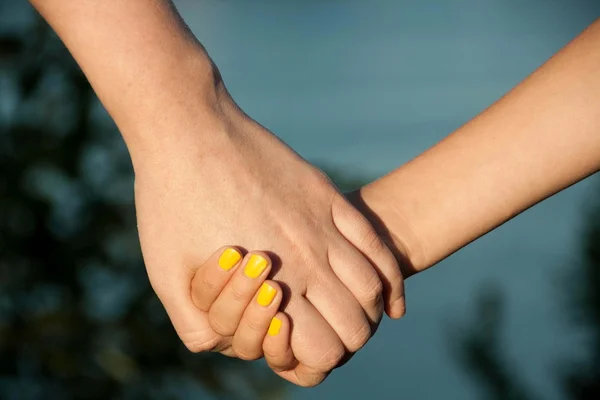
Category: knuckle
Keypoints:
(219, 324)
(222, 348)
(331, 358)
(200, 302)
(199, 346)
(372, 242)
(245, 352)
(238, 294)
(314, 380)
(311, 380)
(254, 325)
(201, 296)
(274, 358)
(359, 336)
(205, 284)
(312, 383)
(202, 340)
(372, 292)
(196, 347)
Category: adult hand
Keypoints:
(219, 178)
(208, 176)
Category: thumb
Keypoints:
(358, 231)
(173, 288)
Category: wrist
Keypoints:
(393, 228)
(179, 108)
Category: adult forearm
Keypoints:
(138, 55)
(207, 175)
(540, 138)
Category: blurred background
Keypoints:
(356, 87)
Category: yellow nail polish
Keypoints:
(255, 266)
(274, 327)
(229, 259)
(266, 294)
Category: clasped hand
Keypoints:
(329, 270)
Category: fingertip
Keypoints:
(397, 309)
(249, 336)
(213, 275)
(308, 377)
(269, 294)
(276, 345)
(228, 257)
(394, 293)
(256, 263)
(279, 326)
(234, 288)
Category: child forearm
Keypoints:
(540, 138)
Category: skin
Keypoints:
(202, 166)
(542, 137)
(231, 297)
(206, 174)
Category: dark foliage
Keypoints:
(78, 318)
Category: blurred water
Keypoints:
(369, 85)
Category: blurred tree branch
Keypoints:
(78, 318)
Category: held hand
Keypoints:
(206, 176)
(244, 186)
(234, 292)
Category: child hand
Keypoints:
(242, 307)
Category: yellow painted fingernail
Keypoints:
(229, 258)
(274, 327)
(255, 266)
(266, 294)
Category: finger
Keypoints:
(341, 310)
(276, 344)
(359, 277)
(314, 342)
(304, 376)
(213, 275)
(281, 359)
(359, 232)
(250, 334)
(227, 310)
(191, 323)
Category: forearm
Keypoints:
(138, 55)
(540, 138)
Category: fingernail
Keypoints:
(229, 259)
(255, 266)
(274, 327)
(266, 294)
